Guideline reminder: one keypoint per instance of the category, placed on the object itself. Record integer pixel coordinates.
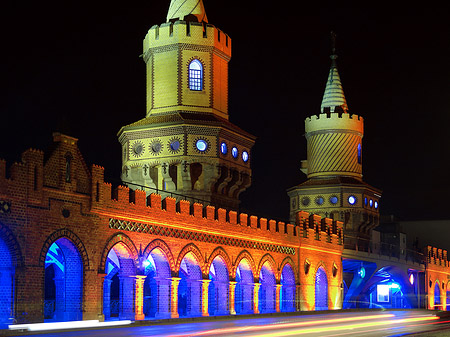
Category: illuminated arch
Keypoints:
(196, 75)
(13, 246)
(287, 281)
(112, 241)
(219, 251)
(243, 255)
(321, 288)
(76, 241)
(157, 243)
(267, 288)
(193, 249)
(190, 271)
(288, 260)
(271, 261)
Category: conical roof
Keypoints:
(179, 9)
(334, 93)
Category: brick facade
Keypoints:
(55, 198)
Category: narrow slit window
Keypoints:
(359, 154)
(196, 75)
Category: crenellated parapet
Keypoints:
(437, 274)
(436, 257)
(185, 32)
(334, 121)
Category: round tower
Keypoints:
(185, 145)
(334, 187)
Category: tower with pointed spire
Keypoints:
(335, 187)
(186, 145)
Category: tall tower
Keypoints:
(186, 145)
(334, 187)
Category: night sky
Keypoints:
(75, 67)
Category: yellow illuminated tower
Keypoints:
(186, 145)
(334, 187)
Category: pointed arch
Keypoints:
(112, 241)
(68, 234)
(158, 243)
(243, 255)
(193, 249)
(219, 251)
(268, 258)
(288, 260)
(12, 244)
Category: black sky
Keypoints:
(75, 67)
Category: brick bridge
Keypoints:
(72, 247)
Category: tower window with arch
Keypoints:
(196, 75)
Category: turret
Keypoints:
(334, 187)
(185, 145)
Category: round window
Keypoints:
(156, 147)
(376, 204)
(223, 148)
(370, 202)
(245, 156)
(365, 201)
(319, 200)
(175, 145)
(234, 152)
(305, 201)
(201, 145)
(352, 200)
(334, 200)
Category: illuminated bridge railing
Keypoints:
(383, 249)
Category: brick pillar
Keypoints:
(139, 298)
(297, 298)
(278, 305)
(205, 285)
(106, 298)
(164, 297)
(256, 297)
(126, 297)
(232, 297)
(175, 281)
(60, 300)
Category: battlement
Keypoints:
(135, 203)
(437, 256)
(189, 33)
(334, 121)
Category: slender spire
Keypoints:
(334, 93)
(187, 9)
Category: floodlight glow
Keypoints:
(411, 279)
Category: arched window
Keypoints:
(196, 75)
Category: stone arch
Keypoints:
(68, 234)
(243, 255)
(288, 260)
(158, 243)
(268, 258)
(189, 270)
(12, 244)
(267, 276)
(288, 286)
(219, 251)
(112, 241)
(321, 288)
(190, 248)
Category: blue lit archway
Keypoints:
(437, 296)
(218, 287)
(321, 290)
(6, 285)
(287, 298)
(267, 288)
(190, 286)
(63, 282)
(244, 288)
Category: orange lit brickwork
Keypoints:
(437, 275)
(320, 246)
(62, 198)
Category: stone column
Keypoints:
(278, 305)
(232, 297)
(175, 281)
(205, 285)
(256, 297)
(126, 297)
(139, 298)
